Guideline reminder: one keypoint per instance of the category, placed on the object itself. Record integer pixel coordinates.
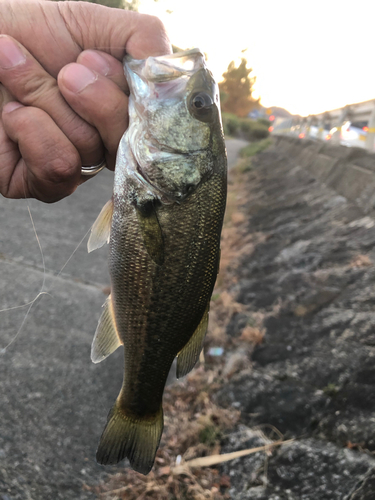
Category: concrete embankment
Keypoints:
(349, 171)
(308, 272)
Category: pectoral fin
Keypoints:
(106, 339)
(189, 355)
(101, 228)
(151, 232)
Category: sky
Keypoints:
(307, 56)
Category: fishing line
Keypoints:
(74, 251)
(41, 292)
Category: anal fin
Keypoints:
(106, 339)
(189, 354)
(101, 228)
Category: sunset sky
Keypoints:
(308, 57)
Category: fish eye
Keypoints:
(201, 106)
(202, 100)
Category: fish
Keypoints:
(163, 225)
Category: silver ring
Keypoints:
(94, 169)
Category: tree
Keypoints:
(130, 4)
(236, 89)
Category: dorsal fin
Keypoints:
(151, 231)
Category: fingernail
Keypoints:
(10, 54)
(96, 62)
(77, 77)
(11, 106)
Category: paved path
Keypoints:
(54, 401)
(233, 148)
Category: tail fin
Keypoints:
(136, 439)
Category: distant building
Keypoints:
(263, 112)
(255, 113)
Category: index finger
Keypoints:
(31, 85)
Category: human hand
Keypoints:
(51, 122)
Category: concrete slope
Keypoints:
(310, 274)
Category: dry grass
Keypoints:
(194, 426)
(361, 261)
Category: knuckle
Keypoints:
(38, 88)
(64, 170)
(29, 82)
(84, 137)
(51, 163)
(60, 179)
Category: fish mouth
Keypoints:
(167, 67)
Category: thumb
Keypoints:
(68, 28)
(115, 31)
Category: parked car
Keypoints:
(314, 132)
(354, 133)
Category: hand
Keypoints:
(58, 114)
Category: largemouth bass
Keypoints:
(164, 222)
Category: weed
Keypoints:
(209, 435)
(244, 166)
(331, 390)
(255, 148)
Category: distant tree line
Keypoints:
(237, 101)
(236, 90)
